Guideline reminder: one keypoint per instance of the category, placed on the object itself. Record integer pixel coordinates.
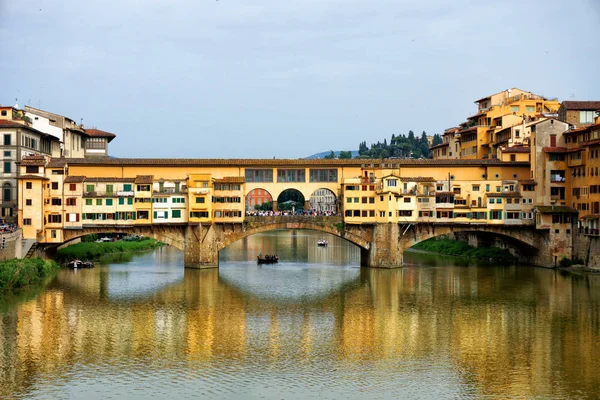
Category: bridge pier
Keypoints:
(385, 251)
(201, 249)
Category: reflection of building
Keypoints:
(257, 197)
(323, 200)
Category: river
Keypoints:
(313, 326)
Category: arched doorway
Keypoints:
(291, 200)
(323, 201)
(6, 191)
(259, 199)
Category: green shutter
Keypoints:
(127, 187)
(130, 201)
(121, 201)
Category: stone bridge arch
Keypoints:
(331, 225)
(169, 234)
(517, 237)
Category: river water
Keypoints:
(313, 326)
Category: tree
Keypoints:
(437, 139)
(345, 155)
(330, 156)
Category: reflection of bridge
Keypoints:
(381, 245)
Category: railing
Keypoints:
(170, 191)
(108, 194)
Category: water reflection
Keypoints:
(304, 329)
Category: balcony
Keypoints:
(171, 191)
(108, 194)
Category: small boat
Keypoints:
(76, 264)
(267, 259)
(322, 243)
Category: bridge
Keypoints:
(381, 245)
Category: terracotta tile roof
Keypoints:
(98, 133)
(473, 128)
(417, 179)
(590, 143)
(503, 194)
(576, 130)
(30, 177)
(247, 162)
(56, 163)
(554, 149)
(556, 210)
(74, 179)
(479, 114)
(592, 216)
(517, 149)
(34, 160)
(528, 182)
(439, 145)
(12, 124)
(144, 179)
(230, 179)
(445, 194)
(581, 105)
(109, 180)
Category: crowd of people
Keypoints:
(308, 213)
(7, 228)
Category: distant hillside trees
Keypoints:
(400, 146)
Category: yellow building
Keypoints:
(497, 112)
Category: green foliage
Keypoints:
(462, 249)
(330, 156)
(399, 147)
(567, 262)
(266, 206)
(345, 155)
(17, 273)
(90, 238)
(92, 250)
(341, 227)
(437, 139)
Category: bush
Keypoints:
(17, 273)
(93, 250)
(567, 262)
(462, 249)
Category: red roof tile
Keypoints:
(143, 179)
(34, 161)
(517, 149)
(74, 179)
(554, 149)
(33, 177)
(418, 179)
(98, 133)
(230, 179)
(581, 105)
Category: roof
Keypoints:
(439, 145)
(33, 177)
(556, 210)
(4, 123)
(445, 194)
(528, 182)
(418, 179)
(581, 105)
(74, 179)
(143, 179)
(98, 133)
(34, 161)
(517, 149)
(230, 179)
(554, 149)
(503, 194)
(109, 180)
(101, 161)
(473, 128)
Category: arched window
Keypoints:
(7, 191)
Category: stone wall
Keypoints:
(13, 245)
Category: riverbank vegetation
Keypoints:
(17, 273)
(462, 249)
(94, 250)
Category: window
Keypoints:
(585, 117)
(109, 202)
(32, 169)
(4, 113)
(7, 167)
(28, 202)
(130, 201)
(7, 140)
(56, 201)
(54, 185)
(98, 202)
(127, 187)
(54, 219)
(121, 201)
(88, 202)
(72, 187)
(200, 200)
(530, 109)
(259, 175)
(407, 199)
(514, 109)
(28, 185)
(95, 143)
(7, 154)
(392, 182)
(26, 221)
(89, 188)
(476, 188)
(72, 201)
(323, 175)
(176, 214)
(58, 172)
(143, 188)
(291, 175)
(199, 214)
(109, 189)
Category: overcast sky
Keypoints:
(287, 79)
